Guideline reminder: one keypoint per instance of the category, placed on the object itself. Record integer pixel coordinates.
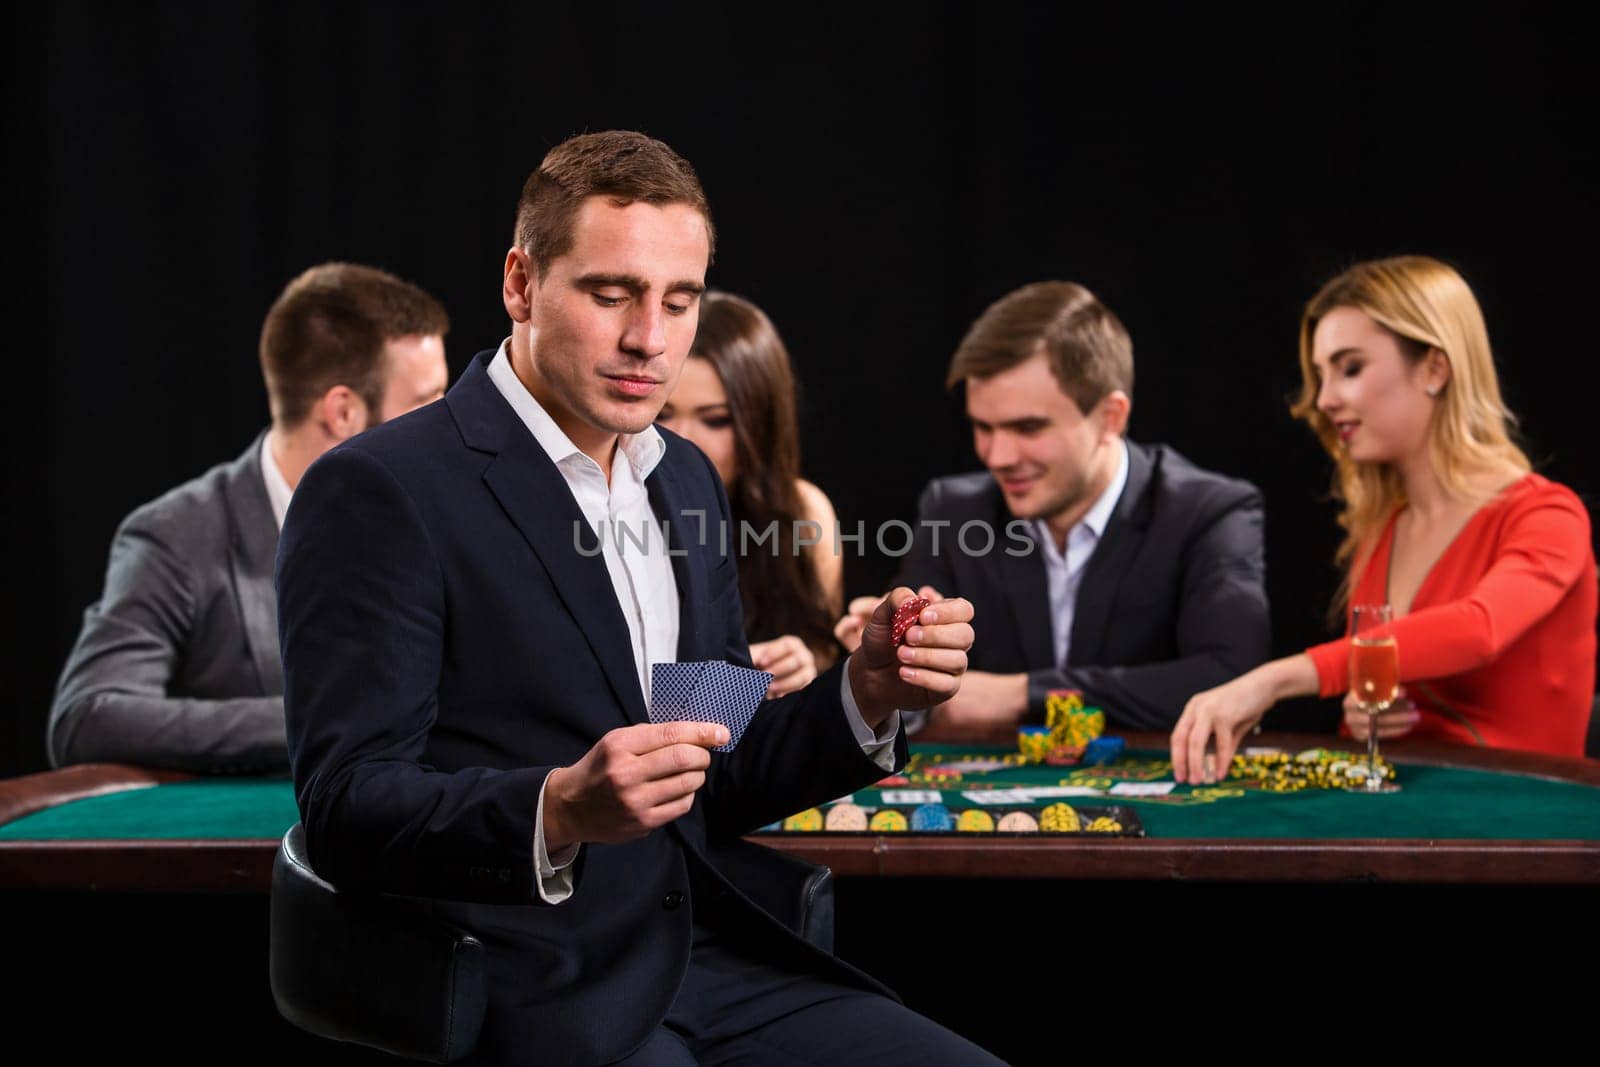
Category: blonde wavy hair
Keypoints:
(1426, 303)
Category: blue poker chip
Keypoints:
(932, 817)
(1104, 750)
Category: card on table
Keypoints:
(711, 691)
(1142, 789)
(913, 796)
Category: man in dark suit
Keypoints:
(177, 663)
(1098, 564)
(468, 635)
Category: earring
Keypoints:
(1432, 390)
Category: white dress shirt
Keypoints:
(620, 515)
(278, 491)
(1064, 570)
(642, 578)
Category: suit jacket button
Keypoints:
(672, 900)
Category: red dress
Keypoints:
(1499, 646)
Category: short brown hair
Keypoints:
(328, 327)
(621, 165)
(1089, 350)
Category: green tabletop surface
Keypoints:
(1434, 803)
(202, 809)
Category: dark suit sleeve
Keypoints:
(798, 751)
(361, 616)
(931, 544)
(1222, 630)
(112, 703)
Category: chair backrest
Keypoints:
(373, 970)
(1591, 746)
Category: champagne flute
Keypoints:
(1374, 679)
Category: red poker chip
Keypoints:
(905, 617)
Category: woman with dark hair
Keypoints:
(1488, 568)
(735, 400)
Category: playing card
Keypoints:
(711, 691)
(670, 686)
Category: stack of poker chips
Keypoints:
(1315, 768)
(1103, 750)
(1033, 742)
(1069, 728)
(1059, 818)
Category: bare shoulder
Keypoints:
(814, 504)
(826, 554)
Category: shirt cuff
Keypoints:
(551, 874)
(877, 747)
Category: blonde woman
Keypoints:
(1488, 567)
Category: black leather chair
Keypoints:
(327, 947)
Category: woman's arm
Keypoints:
(1543, 552)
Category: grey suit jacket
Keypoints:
(177, 664)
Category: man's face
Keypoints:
(416, 374)
(612, 321)
(1040, 448)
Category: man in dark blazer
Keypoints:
(467, 646)
(177, 663)
(1098, 564)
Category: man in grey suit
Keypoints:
(1096, 563)
(177, 664)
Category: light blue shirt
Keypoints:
(1064, 570)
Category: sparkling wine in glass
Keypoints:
(1374, 679)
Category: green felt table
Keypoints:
(1437, 802)
(1463, 816)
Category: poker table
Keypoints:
(1464, 815)
(138, 899)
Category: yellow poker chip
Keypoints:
(844, 818)
(1059, 703)
(888, 821)
(1076, 726)
(1018, 822)
(975, 820)
(1033, 742)
(1105, 824)
(1060, 819)
(808, 820)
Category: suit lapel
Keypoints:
(534, 495)
(252, 548)
(1103, 574)
(688, 531)
(1027, 592)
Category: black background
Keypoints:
(878, 176)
